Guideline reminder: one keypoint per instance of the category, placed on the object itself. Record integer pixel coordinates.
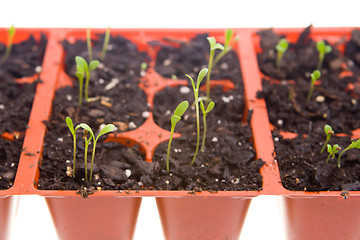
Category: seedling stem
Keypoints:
(106, 43)
(328, 131)
(11, 34)
(315, 75)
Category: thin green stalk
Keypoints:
(92, 161)
(80, 92)
(204, 134)
(198, 131)
(168, 151)
(278, 60)
(310, 93)
(74, 155)
(106, 43)
(85, 158)
(87, 86)
(6, 55)
(88, 41)
(321, 60)
(212, 52)
(326, 142)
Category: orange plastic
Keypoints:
(233, 204)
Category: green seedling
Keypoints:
(229, 42)
(213, 46)
(322, 49)
(11, 34)
(82, 68)
(106, 43)
(73, 133)
(281, 48)
(332, 151)
(179, 111)
(328, 131)
(107, 129)
(353, 144)
(201, 76)
(205, 112)
(88, 42)
(315, 75)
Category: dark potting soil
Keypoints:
(113, 88)
(228, 162)
(333, 102)
(190, 57)
(16, 101)
(303, 168)
(123, 168)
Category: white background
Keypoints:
(264, 210)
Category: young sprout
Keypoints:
(108, 128)
(106, 43)
(143, 68)
(82, 67)
(88, 42)
(332, 151)
(281, 48)
(328, 131)
(229, 42)
(73, 133)
(213, 46)
(201, 75)
(322, 49)
(353, 144)
(314, 77)
(11, 34)
(205, 112)
(179, 111)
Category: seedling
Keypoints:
(11, 34)
(281, 48)
(314, 77)
(229, 42)
(73, 132)
(205, 112)
(106, 43)
(88, 42)
(82, 67)
(332, 151)
(213, 46)
(328, 131)
(108, 128)
(353, 144)
(179, 111)
(201, 75)
(322, 49)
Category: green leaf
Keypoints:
(11, 31)
(228, 36)
(93, 65)
(192, 82)
(201, 76)
(81, 62)
(218, 46)
(80, 75)
(320, 45)
(212, 42)
(86, 127)
(329, 148)
(181, 108)
(70, 125)
(282, 45)
(355, 144)
(108, 128)
(328, 129)
(336, 148)
(210, 107)
(328, 49)
(315, 75)
(202, 107)
(174, 120)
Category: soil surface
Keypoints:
(334, 102)
(123, 168)
(16, 101)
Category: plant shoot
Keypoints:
(82, 68)
(328, 131)
(322, 49)
(332, 150)
(88, 42)
(11, 34)
(179, 111)
(213, 46)
(205, 112)
(315, 75)
(87, 130)
(353, 144)
(229, 42)
(73, 133)
(201, 75)
(281, 48)
(106, 43)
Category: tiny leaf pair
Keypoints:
(84, 69)
(315, 75)
(322, 49)
(281, 48)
